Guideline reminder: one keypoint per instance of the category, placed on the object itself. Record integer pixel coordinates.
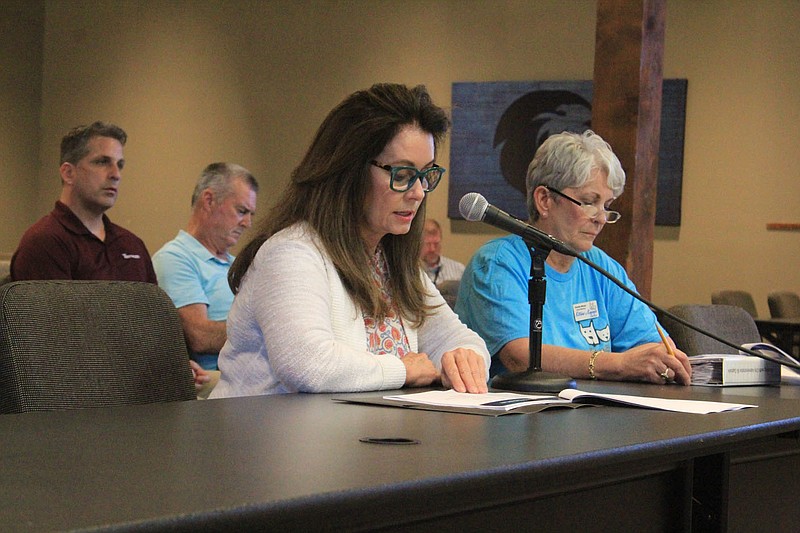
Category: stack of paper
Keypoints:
(733, 369)
(740, 369)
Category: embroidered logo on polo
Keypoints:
(131, 256)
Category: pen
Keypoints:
(664, 340)
(669, 351)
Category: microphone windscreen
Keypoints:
(473, 206)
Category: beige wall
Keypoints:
(739, 168)
(21, 37)
(247, 81)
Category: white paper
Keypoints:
(770, 350)
(495, 401)
(664, 404)
(507, 401)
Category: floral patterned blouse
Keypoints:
(387, 336)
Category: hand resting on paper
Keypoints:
(462, 370)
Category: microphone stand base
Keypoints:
(532, 381)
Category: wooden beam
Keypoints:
(626, 112)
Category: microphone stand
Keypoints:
(535, 379)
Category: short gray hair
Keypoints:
(219, 178)
(567, 159)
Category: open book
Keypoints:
(500, 403)
(721, 370)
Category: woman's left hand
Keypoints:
(463, 370)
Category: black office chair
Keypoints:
(741, 299)
(784, 304)
(78, 344)
(730, 322)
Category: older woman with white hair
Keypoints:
(591, 328)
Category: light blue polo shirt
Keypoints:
(191, 274)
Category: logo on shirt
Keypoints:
(131, 256)
(595, 336)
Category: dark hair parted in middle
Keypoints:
(329, 187)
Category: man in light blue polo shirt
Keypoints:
(193, 267)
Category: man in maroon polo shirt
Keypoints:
(77, 240)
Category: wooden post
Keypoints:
(626, 112)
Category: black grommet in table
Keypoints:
(389, 440)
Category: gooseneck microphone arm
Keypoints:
(661, 311)
(474, 207)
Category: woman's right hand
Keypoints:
(420, 371)
(652, 363)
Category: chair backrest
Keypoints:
(730, 322)
(741, 299)
(449, 291)
(77, 344)
(784, 304)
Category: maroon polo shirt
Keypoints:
(59, 246)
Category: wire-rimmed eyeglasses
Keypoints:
(403, 178)
(591, 210)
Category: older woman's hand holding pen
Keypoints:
(653, 362)
(681, 364)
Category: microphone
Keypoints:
(474, 207)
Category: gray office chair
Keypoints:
(741, 299)
(784, 304)
(78, 344)
(730, 322)
(449, 291)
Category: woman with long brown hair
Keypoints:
(330, 296)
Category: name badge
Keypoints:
(585, 311)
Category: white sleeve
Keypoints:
(443, 331)
(297, 297)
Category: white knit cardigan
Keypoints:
(294, 328)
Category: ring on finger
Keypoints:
(665, 374)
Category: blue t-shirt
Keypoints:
(583, 309)
(190, 274)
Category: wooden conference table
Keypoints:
(295, 462)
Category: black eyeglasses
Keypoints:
(590, 210)
(403, 178)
